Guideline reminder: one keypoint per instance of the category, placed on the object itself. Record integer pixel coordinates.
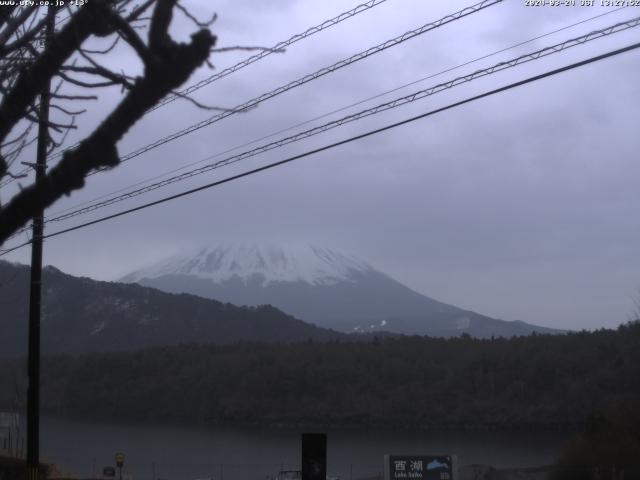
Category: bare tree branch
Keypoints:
(16, 177)
(56, 144)
(13, 24)
(74, 97)
(87, 20)
(5, 13)
(58, 127)
(71, 113)
(170, 65)
(159, 28)
(81, 83)
(130, 36)
(135, 14)
(19, 137)
(199, 23)
(101, 52)
(98, 69)
(198, 104)
(28, 36)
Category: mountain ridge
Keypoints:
(339, 291)
(83, 315)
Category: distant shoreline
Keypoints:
(563, 428)
(568, 428)
(537, 383)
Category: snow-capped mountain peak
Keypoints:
(273, 263)
(318, 285)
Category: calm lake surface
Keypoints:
(169, 452)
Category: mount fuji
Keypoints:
(328, 288)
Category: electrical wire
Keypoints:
(343, 142)
(341, 109)
(248, 61)
(277, 47)
(26, 170)
(308, 78)
(421, 94)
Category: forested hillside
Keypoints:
(81, 315)
(408, 382)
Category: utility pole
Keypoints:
(33, 392)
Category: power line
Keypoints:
(386, 106)
(244, 63)
(421, 94)
(319, 117)
(307, 78)
(264, 53)
(374, 110)
(310, 77)
(343, 142)
(278, 46)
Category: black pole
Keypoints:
(33, 392)
(314, 456)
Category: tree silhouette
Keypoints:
(27, 68)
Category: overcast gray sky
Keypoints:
(518, 206)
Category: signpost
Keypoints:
(108, 472)
(420, 467)
(120, 462)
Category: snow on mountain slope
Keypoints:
(318, 285)
(291, 263)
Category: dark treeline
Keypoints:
(408, 382)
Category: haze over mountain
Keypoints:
(81, 315)
(328, 288)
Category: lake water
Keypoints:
(169, 452)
